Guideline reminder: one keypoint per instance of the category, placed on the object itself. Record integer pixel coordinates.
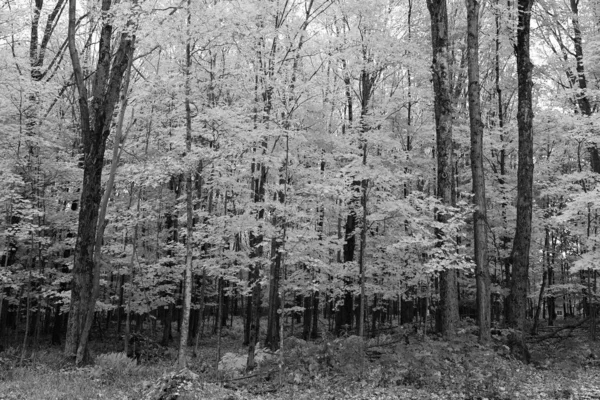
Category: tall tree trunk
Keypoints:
(256, 238)
(188, 277)
(582, 96)
(95, 123)
(520, 252)
(445, 171)
(504, 239)
(480, 215)
(343, 316)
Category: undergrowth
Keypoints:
(392, 366)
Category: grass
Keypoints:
(46, 375)
(43, 384)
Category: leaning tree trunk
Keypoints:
(95, 122)
(480, 214)
(522, 241)
(445, 171)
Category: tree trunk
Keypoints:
(582, 97)
(444, 151)
(272, 339)
(56, 327)
(220, 290)
(188, 277)
(360, 321)
(536, 318)
(201, 312)
(307, 317)
(254, 316)
(520, 252)
(480, 215)
(95, 123)
(315, 315)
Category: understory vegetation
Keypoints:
(404, 363)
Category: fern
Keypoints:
(117, 364)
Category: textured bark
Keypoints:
(480, 215)
(95, 122)
(445, 171)
(522, 240)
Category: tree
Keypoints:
(522, 241)
(188, 276)
(95, 124)
(480, 215)
(444, 152)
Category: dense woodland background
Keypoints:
(282, 156)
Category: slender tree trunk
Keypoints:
(201, 313)
(220, 325)
(409, 82)
(343, 316)
(444, 152)
(307, 317)
(521, 243)
(188, 277)
(254, 316)
(127, 334)
(56, 326)
(536, 318)
(27, 313)
(480, 214)
(363, 245)
(273, 320)
(504, 239)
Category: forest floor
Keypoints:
(399, 365)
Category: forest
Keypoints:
(272, 199)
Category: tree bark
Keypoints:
(480, 215)
(95, 123)
(445, 171)
(521, 244)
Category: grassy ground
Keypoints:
(391, 368)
